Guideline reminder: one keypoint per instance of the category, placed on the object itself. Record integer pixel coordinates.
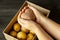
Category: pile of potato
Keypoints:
(21, 33)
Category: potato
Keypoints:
(21, 35)
(24, 30)
(30, 36)
(28, 14)
(17, 27)
(13, 33)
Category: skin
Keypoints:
(50, 26)
(28, 14)
(29, 24)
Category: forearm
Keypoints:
(41, 34)
(52, 27)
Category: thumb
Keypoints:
(21, 20)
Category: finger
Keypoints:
(23, 20)
(26, 7)
(23, 10)
(19, 16)
(20, 13)
(18, 19)
(21, 23)
(36, 12)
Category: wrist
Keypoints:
(40, 19)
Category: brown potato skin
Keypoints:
(28, 14)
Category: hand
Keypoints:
(33, 26)
(37, 13)
(50, 26)
(29, 24)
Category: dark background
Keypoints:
(8, 9)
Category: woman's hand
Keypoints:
(33, 26)
(50, 26)
(37, 13)
(29, 24)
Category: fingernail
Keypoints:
(23, 10)
(26, 7)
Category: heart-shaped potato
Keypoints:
(28, 14)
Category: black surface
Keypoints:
(8, 9)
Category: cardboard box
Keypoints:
(9, 26)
